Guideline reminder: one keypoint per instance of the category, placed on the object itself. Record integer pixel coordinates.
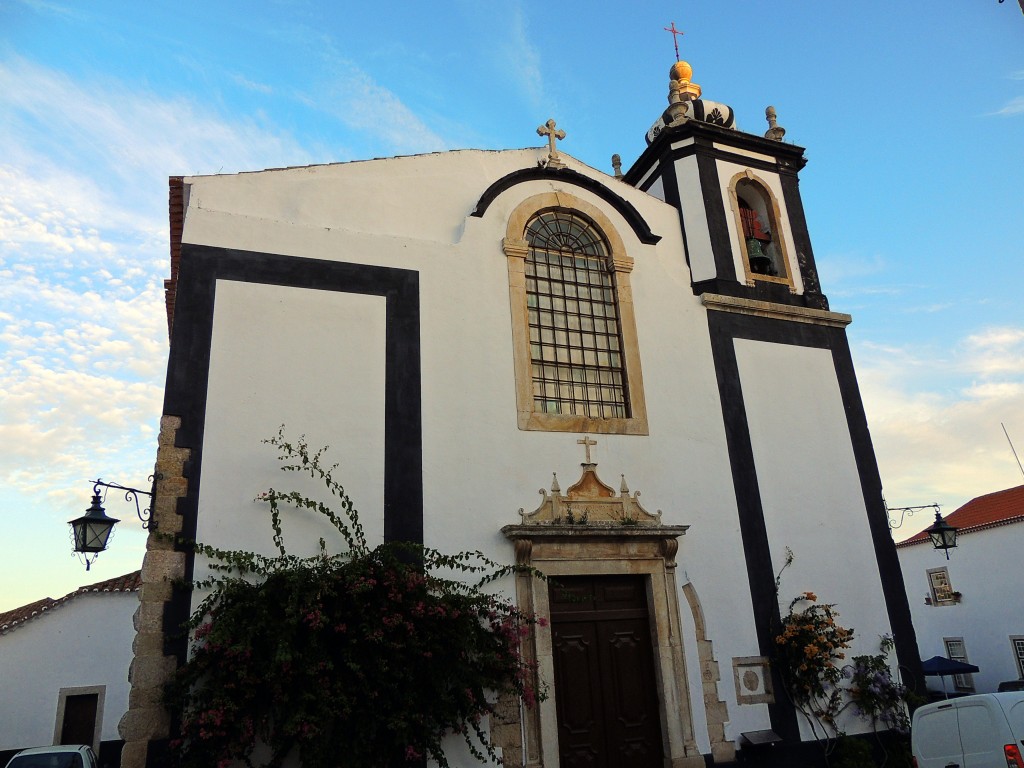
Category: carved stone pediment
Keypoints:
(591, 502)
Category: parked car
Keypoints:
(1011, 685)
(985, 730)
(64, 756)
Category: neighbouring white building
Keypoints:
(968, 607)
(64, 669)
(459, 327)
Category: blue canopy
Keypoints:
(940, 665)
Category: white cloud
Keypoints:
(935, 418)
(112, 134)
(364, 105)
(520, 55)
(83, 255)
(1014, 106)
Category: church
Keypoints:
(651, 349)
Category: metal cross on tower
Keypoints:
(675, 37)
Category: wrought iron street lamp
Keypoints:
(92, 530)
(942, 534)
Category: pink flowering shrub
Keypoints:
(366, 658)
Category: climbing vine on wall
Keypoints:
(810, 655)
(367, 656)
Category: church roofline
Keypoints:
(707, 134)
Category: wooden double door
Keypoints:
(605, 687)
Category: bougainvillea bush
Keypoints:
(363, 658)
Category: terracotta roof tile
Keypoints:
(988, 511)
(14, 618)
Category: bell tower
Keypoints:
(738, 199)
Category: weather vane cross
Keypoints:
(675, 37)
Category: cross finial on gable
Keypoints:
(675, 37)
(586, 442)
(549, 130)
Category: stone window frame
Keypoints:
(597, 551)
(775, 227)
(100, 692)
(1017, 646)
(964, 682)
(948, 596)
(516, 250)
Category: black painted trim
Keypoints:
(789, 157)
(569, 176)
(725, 328)
(189, 365)
(671, 186)
(714, 210)
(802, 241)
(890, 572)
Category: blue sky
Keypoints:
(912, 114)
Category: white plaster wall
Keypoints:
(314, 361)
(85, 642)
(698, 235)
(809, 484)
(983, 567)
(726, 172)
(657, 189)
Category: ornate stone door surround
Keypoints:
(591, 530)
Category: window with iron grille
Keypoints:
(957, 651)
(1018, 654)
(575, 338)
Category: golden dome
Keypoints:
(681, 70)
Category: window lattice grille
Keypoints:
(1018, 651)
(575, 341)
(957, 651)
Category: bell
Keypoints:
(760, 262)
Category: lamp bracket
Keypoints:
(131, 494)
(906, 512)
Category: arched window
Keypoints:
(575, 341)
(761, 244)
(576, 359)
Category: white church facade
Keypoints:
(652, 350)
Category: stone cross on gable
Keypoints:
(586, 442)
(549, 130)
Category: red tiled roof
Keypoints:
(988, 511)
(14, 618)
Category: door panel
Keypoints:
(605, 686)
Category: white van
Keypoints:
(985, 730)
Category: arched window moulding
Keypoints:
(516, 250)
(755, 193)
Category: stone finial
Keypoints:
(775, 131)
(681, 91)
(553, 134)
(617, 166)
